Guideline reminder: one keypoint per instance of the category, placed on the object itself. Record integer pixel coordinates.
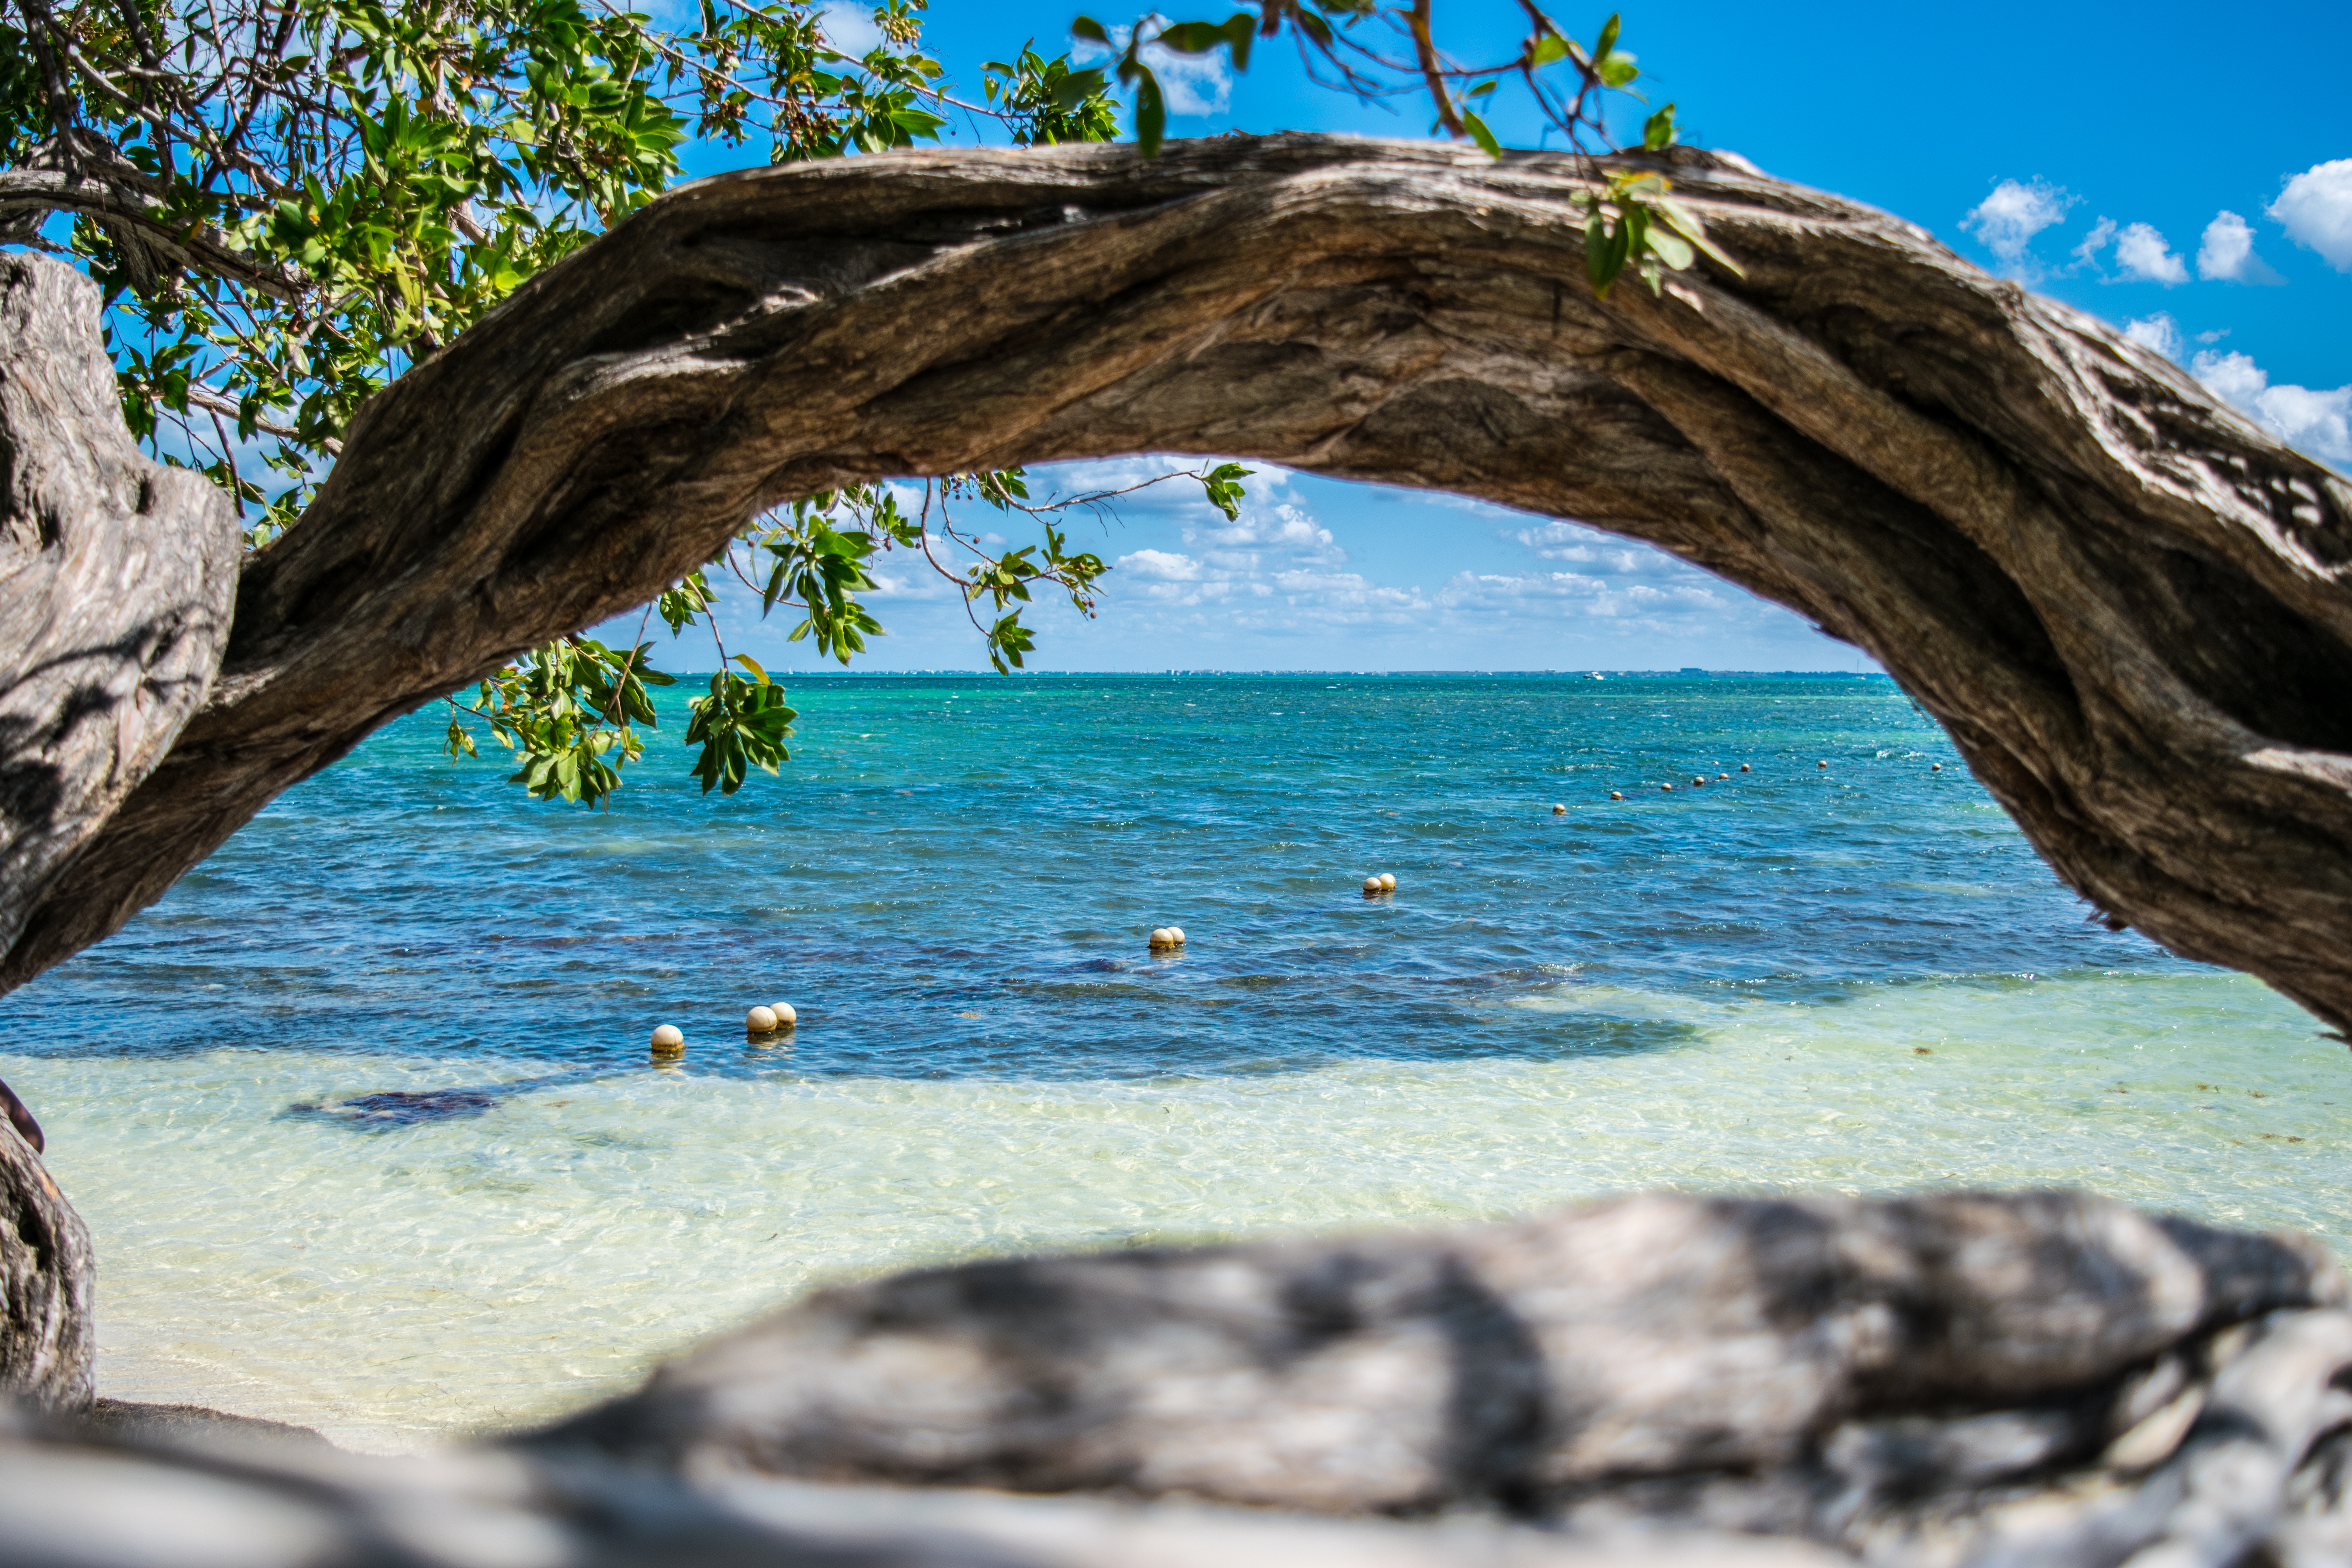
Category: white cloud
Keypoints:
(1268, 525)
(2318, 422)
(2145, 257)
(1276, 551)
(1585, 546)
(2087, 253)
(1194, 84)
(1546, 594)
(850, 28)
(2315, 209)
(2227, 254)
(2006, 221)
(2158, 331)
(1162, 565)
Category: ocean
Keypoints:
(363, 1117)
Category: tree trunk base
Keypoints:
(46, 1275)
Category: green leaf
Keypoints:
(747, 662)
(1686, 223)
(1550, 49)
(1480, 135)
(1190, 37)
(1087, 27)
(1616, 69)
(1608, 39)
(1658, 130)
(1151, 112)
(1669, 247)
(1481, 89)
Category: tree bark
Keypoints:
(48, 1272)
(116, 578)
(1969, 1378)
(2127, 605)
(1844, 1369)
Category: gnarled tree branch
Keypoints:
(2128, 606)
(92, 180)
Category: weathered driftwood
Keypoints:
(2127, 605)
(70, 1496)
(1925, 1379)
(46, 1274)
(2030, 1380)
(116, 577)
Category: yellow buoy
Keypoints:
(1744, 768)
(1163, 937)
(1668, 789)
(785, 1017)
(669, 1041)
(1616, 795)
(1371, 887)
(1387, 881)
(1935, 767)
(761, 1021)
(1821, 765)
(1558, 809)
(1177, 932)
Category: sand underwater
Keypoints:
(363, 1120)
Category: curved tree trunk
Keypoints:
(2127, 605)
(116, 575)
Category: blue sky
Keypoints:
(2185, 172)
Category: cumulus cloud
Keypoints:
(2227, 254)
(1275, 567)
(2006, 221)
(1541, 593)
(1616, 584)
(1266, 524)
(2102, 235)
(2158, 331)
(2316, 210)
(2315, 422)
(1162, 565)
(1195, 84)
(850, 28)
(2145, 257)
(1573, 542)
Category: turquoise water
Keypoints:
(363, 1117)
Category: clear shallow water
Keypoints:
(1857, 978)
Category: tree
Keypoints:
(289, 204)
(2126, 604)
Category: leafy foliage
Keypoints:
(290, 202)
(1375, 51)
(328, 191)
(1048, 101)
